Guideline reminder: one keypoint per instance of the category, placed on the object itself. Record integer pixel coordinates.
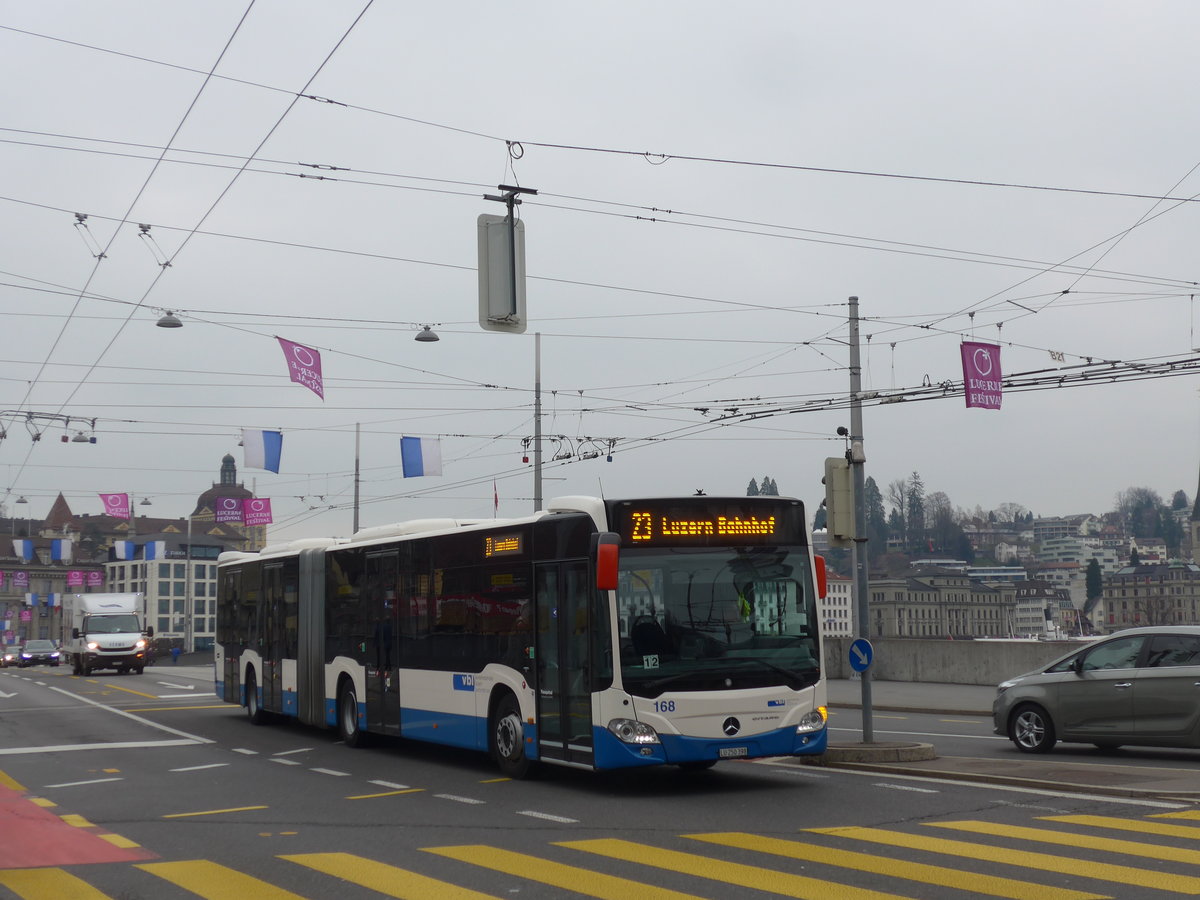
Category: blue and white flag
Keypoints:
(23, 547)
(154, 550)
(420, 456)
(263, 449)
(31, 599)
(123, 549)
(60, 550)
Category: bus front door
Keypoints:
(564, 696)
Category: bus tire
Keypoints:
(508, 738)
(347, 715)
(254, 710)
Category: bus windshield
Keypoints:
(718, 618)
(111, 624)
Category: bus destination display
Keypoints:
(649, 524)
(502, 545)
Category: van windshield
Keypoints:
(125, 623)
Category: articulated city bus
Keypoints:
(598, 634)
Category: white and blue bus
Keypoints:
(598, 634)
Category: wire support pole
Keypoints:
(859, 550)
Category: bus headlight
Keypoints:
(631, 731)
(813, 721)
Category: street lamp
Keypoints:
(169, 320)
(427, 335)
(22, 499)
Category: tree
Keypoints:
(752, 488)
(1093, 585)
(914, 511)
(897, 494)
(821, 519)
(1009, 512)
(1134, 559)
(877, 526)
(1179, 500)
(943, 530)
(1140, 511)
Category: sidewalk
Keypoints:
(1005, 765)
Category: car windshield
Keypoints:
(716, 619)
(39, 646)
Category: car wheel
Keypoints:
(254, 710)
(1031, 729)
(347, 716)
(508, 739)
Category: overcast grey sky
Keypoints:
(794, 154)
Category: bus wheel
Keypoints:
(347, 715)
(508, 739)
(254, 710)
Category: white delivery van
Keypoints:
(105, 631)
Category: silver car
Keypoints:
(1140, 686)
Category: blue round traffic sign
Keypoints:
(861, 654)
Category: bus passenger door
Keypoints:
(564, 697)
(272, 652)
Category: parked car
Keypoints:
(1139, 686)
(10, 656)
(39, 653)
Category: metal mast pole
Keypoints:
(189, 620)
(859, 550)
(537, 421)
(356, 471)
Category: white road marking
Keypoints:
(906, 787)
(182, 687)
(245, 752)
(457, 799)
(329, 772)
(128, 715)
(290, 752)
(123, 745)
(542, 815)
(7, 696)
(78, 783)
(198, 768)
(284, 762)
(181, 697)
(391, 784)
(934, 734)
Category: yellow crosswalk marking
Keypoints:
(1182, 814)
(569, 878)
(1044, 862)
(783, 884)
(1071, 839)
(974, 883)
(390, 881)
(1141, 826)
(48, 884)
(213, 881)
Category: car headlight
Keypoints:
(54, 655)
(1005, 685)
(93, 645)
(630, 731)
(813, 721)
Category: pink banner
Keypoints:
(95, 579)
(116, 505)
(304, 366)
(74, 578)
(27, 615)
(20, 580)
(229, 509)
(981, 374)
(258, 511)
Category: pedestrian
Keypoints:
(175, 651)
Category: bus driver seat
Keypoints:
(648, 636)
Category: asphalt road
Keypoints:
(152, 788)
